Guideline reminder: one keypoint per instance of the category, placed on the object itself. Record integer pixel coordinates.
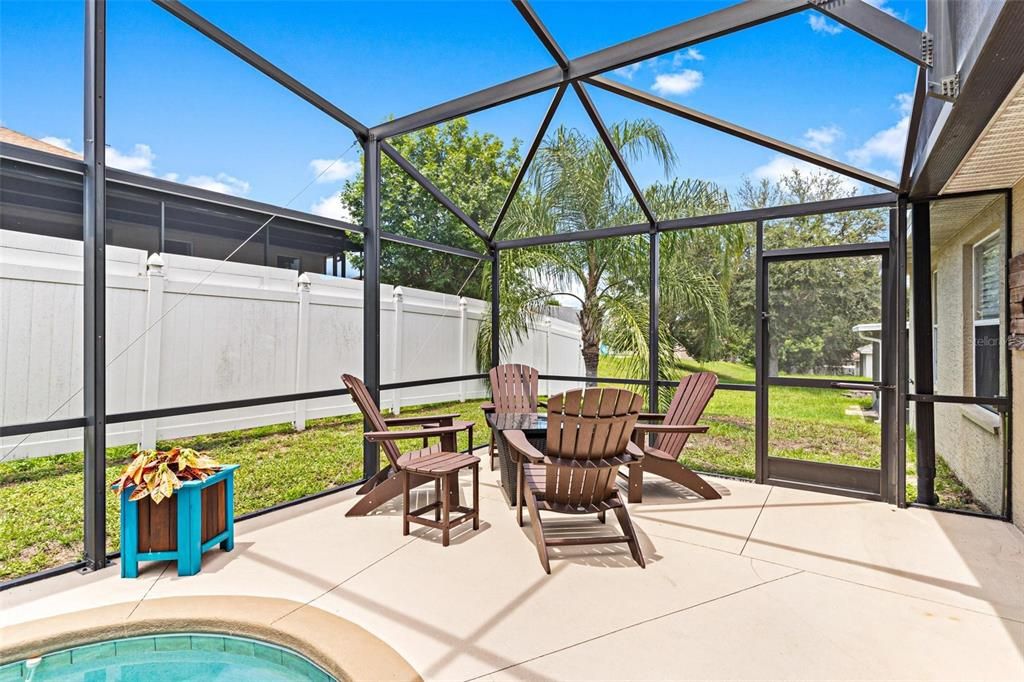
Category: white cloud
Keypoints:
(904, 103)
(629, 70)
(333, 170)
(222, 182)
(330, 206)
(783, 166)
(882, 5)
(819, 24)
(62, 142)
(821, 139)
(690, 53)
(140, 160)
(887, 145)
(681, 83)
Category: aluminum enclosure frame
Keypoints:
(578, 73)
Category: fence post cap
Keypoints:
(398, 293)
(155, 264)
(304, 282)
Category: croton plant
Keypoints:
(158, 473)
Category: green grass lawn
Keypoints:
(41, 499)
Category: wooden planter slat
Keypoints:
(199, 516)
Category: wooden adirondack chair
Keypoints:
(513, 389)
(588, 441)
(386, 484)
(662, 456)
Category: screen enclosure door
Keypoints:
(826, 370)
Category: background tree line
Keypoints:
(707, 274)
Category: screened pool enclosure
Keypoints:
(905, 336)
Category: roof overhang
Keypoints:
(986, 51)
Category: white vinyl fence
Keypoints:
(247, 331)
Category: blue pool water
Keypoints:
(169, 658)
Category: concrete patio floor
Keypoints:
(766, 583)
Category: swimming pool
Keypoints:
(169, 658)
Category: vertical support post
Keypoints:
(153, 342)
(889, 402)
(398, 298)
(760, 358)
(924, 379)
(371, 289)
(302, 350)
(462, 346)
(495, 307)
(901, 359)
(94, 283)
(653, 316)
(547, 354)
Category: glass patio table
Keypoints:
(534, 426)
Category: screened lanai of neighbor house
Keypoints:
(415, 331)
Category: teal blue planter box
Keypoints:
(198, 517)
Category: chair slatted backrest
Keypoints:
(584, 426)
(691, 397)
(514, 388)
(362, 398)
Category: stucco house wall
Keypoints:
(968, 437)
(1017, 365)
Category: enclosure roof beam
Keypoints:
(538, 139)
(576, 236)
(856, 203)
(620, 163)
(426, 184)
(542, 33)
(432, 246)
(914, 127)
(252, 58)
(741, 132)
(881, 27)
(700, 29)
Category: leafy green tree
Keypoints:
(813, 304)
(573, 185)
(704, 260)
(475, 170)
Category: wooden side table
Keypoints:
(444, 468)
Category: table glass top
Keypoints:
(518, 421)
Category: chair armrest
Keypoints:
(487, 408)
(652, 416)
(635, 450)
(521, 446)
(377, 436)
(438, 419)
(542, 403)
(670, 428)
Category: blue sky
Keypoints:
(181, 107)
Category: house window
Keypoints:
(987, 304)
(178, 246)
(289, 262)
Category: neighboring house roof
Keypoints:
(9, 136)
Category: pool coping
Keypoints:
(342, 648)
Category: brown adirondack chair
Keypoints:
(588, 441)
(513, 389)
(662, 456)
(386, 484)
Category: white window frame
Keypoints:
(984, 322)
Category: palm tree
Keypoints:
(573, 185)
